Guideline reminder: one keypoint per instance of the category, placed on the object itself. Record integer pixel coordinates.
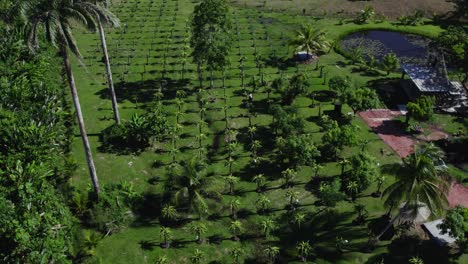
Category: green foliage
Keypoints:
(389, 63)
(456, 224)
(113, 211)
(35, 224)
(340, 86)
(298, 85)
(422, 109)
(418, 180)
(287, 120)
(362, 99)
(298, 150)
(366, 15)
(454, 42)
(138, 132)
(336, 138)
(412, 20)
(330, 193)
(211, 39)
(363, 171)
(310, 40)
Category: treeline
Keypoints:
(36, 225)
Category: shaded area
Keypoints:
(146, 91)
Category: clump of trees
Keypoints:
(36, 224)
(421, 110)
(138, 132)
(456, 224)
(212, 38)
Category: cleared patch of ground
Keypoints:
(389, 8)
(381, 121)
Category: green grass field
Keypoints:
(154, 31)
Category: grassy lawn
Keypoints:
(154, 31)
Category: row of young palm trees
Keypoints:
(54, 19)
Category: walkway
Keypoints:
(389, 130)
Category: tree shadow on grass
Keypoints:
(146, 91)
(282, 63)
(322, 229)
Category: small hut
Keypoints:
(435, 233)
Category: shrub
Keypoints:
(298, 150)
(330, 193)
(137, 133)
(113, 211)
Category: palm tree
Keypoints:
(234, 207)
(199, 229)
(236, 253)
(169, 212)
(317, 168)
(292, 197)
(197, 256)
(56, 18)
(343, 163)
(193, 186)
(298, 219)
(165, 233)
(389, 62)
(267, 226)
(366, 14)
(102, 15)
(310, 40)
(162, 260)
(353, 189)
(259, 179)
(362, 213)
(288, 176)
(263, 203)
(236, 228)
(304, 249)
(271, 253)
(418, 180)
(231, 182)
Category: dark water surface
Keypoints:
(378, 43)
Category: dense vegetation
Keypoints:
(211, 144)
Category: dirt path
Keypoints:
(389, 130)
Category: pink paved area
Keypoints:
(381, 121)
(390, 131)
(458, 195)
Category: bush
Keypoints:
(298, 150)
(113, 211)
(115, 134)
(330, 193)
(137, 133)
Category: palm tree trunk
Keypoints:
(84, 136)
(110, 82)
(377, 238)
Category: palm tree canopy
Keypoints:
(310, 40)
(56, 18)
(418, 180)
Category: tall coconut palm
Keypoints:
(55, 18)
(418, 181)
(103, 16)
(310, 40)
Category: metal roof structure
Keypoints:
(428, 79)
(436, 233)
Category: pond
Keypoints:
(378, 43)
